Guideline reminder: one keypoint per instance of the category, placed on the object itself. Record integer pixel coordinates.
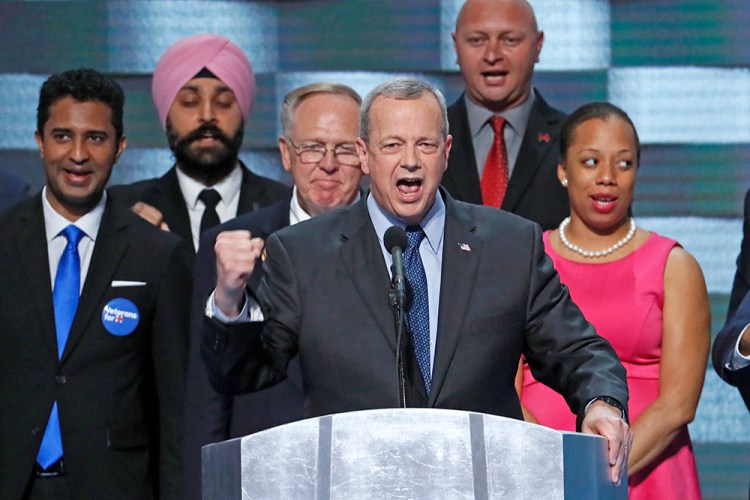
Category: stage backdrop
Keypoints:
(680, 68)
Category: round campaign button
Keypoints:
(120, 317)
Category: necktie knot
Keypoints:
(209, 219)
(414, 235)
(73, 234)
(497, 122)
(210, 198)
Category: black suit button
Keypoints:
(61, 379)
(35, 430)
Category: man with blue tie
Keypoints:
(93, 318)
(479, 293)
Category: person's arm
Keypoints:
(731, 349)
(207, 413)
(169, 351)
(684, 351)
(566, 354)
(527, 415)
(249, 356)
(741, 285)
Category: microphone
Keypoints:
(395, 241)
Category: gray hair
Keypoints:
(406, 88)
(294, 98)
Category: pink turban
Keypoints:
(183, 60)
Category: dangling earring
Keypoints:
(564, 183)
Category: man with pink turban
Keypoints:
(203, 89)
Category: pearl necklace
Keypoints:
(599, 253)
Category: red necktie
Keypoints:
(495, 174)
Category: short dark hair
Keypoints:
(83, 85)
(599, 110)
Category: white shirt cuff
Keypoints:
(251, 311)
(738, 361)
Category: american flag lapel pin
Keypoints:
(543, 137)
(464, 247)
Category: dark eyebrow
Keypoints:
(218, 90)
(87, 132)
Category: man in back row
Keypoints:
(203, 88)
(319, 124)
(480, 293)
(505, 135)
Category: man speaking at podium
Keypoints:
(480, 292)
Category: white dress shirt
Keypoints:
(228, 188)
(54, 223)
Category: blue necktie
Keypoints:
(418, 308)
(65, 301)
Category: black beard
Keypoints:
(206, 165)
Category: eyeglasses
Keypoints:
(315, 152)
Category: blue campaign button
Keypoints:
(120, 317)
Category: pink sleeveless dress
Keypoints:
(624, 301)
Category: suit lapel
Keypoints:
(111, 243)
(32, 248)
(361, 246)
(250, 192)
(462, 176)
(167, 197)
(462, 251)
(537, 143)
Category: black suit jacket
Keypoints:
(741, 283)
(325, 297)
(164, 194)
(13, 188)
(211, 417)
(738, 316)
(120, 398)
(534, 192)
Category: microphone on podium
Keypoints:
(395, 241)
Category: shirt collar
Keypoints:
(298, 214)
(433, 223)
(54, 222)
(517, 117)
(228, 187)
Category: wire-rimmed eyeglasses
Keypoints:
(314, 152)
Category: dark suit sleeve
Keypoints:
(247, 357)
(725, 343)
(561, 347)
(742, 276)
(169, 332)
(207, 413)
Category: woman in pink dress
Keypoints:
(642, 292)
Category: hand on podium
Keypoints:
(607, 421)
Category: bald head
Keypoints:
(497, 44)
(469, 5)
